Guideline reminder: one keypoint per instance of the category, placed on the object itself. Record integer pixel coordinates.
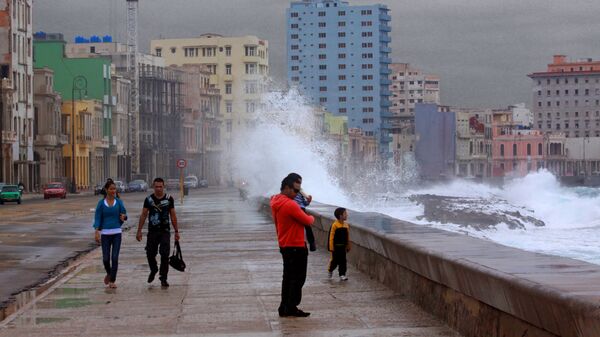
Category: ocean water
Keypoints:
(286, 139)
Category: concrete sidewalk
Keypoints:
(231, 288)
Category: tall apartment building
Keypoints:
(338, 57)
(239, 67)
(566, 97)
(16, 93)
(409, 87)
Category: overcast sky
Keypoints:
(481, 49)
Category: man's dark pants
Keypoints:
(294, 275)
(159, 242)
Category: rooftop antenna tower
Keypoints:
(132, 69)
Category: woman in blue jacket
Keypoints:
(110, 215)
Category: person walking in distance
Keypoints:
(110, 215)
(339, 243)
(290, 221)
(158, 208)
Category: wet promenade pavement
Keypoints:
(231, 288)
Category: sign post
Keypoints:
(181, 164)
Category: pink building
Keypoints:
(515, 151)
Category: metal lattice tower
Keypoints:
(133, 70)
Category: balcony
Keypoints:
(46, 140)
(385, 81)
(385, 28)
(386, 60)
(6, 85)
(386, 103)
(385, 38)
(385, 71)
(385, 49)
(385, 92)
(385, 17)
(9, 137)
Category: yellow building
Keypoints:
(239, 67)
(88, 141)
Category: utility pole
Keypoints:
(133, 70)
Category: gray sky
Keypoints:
(481, 49)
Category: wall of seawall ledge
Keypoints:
(480, 288)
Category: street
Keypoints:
(36, 236)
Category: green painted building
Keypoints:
(51, 54)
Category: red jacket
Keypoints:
(289, 221)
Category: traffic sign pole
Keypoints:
(181, 164)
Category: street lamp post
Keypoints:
(79, 85)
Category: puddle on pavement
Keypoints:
(48, 320)
(72, 291)
(64, 303)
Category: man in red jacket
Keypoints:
(289, 223)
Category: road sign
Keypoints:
(181, 163)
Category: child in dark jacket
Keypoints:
(339, 243)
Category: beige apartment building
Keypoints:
(16, 93)
(239, 68)
(409, 87)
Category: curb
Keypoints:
(21, 300)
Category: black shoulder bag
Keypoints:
(176, 260)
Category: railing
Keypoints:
(9, 137)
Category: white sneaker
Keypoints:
(343, 278)
(329, 275)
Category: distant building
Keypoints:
(409, 87)
(338, 57)
(566, 97)
(516, 150)
(85, 85)
(473, 142)
(17, 162)
(435, 134)
(239, 68)
(48, 134)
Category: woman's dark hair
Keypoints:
(338, 212)
(295, 176)
(108, 183)
(287, 181)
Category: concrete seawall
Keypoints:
(478, 287)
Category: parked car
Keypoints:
(138, 186)
(121, 186)
(190, 181)
(98, 188)
(55, 190)
(172, 184)
(203, 183)
(10, 193)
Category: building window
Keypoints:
(366, 12)
(322, 67)
(322, 56)
(208, 51)
(342, 99)
(294, 47)
(228, 69)
(295, 68)
(322, 78)
(229, 106)
(322, 24)
(251, 68)
(367, 34)
(341, 34)
(322, 99)
(322, 35)
(515, 150)
(528, 149)
(158, 52)
(295, 57)
(367, 45)
(229, 124)
(342, 24)
(366, 23)
(342, 13)
(250, 50)
(294, 36)
(341, 77)
(294, 14)
(341, 45)
(341, 56)
(341, 66)
(539, 149)
(251, 87)
(294, 25)
(322, 45)
(501, 150)
(342, 110)
(322, 88)
(321, 13)
(227, 50)
(228, 88)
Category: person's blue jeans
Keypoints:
(111, 246)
